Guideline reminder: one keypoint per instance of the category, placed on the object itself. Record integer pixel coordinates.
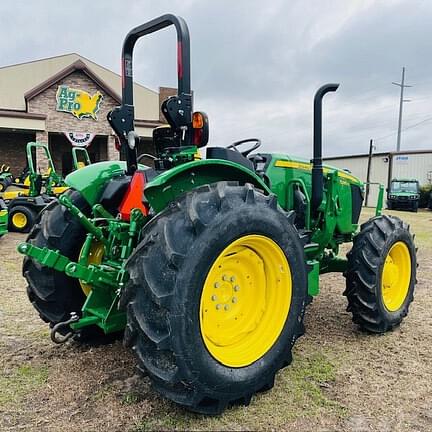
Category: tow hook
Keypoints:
(59, 338)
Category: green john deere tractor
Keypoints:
(80, 158)
(26, 198)
(208, 264)
(6, 177)
(3, 218)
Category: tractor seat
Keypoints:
(229, 155)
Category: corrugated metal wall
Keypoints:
(417, 166)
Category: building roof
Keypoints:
(22, 80)
(388, 153)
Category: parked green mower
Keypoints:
(80, 158)
(26, 200)
(208, 265)
(3, 218)
(6, 177)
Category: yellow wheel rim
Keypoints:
(95, 256)
(396, 276)
(245, 300)
(19, 220)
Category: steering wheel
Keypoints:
(256, 143)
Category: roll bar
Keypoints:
(178, 110)
(317, 169)
(183, 53)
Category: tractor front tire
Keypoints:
(54, 294)
(216, 296)
(381, 274)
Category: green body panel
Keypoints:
(286, 173)
(3, 221)
(313, 277)
(170, 184)
(91, 180)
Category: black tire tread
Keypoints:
(53, 294)
(363, 274)
(150, 304)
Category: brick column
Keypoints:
(112, 152)
(41, 159)
(42, 136)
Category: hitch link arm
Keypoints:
(83, 219)
(53, 259)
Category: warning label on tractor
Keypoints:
(78, 102)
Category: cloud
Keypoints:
(256, 65)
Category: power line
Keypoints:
(404, 129)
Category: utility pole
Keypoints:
(371, 147)
(402, 85)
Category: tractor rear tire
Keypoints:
(21, 219)
(381, 274)
(54, 294)
(170, 325)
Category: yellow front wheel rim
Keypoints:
(396, 276)
(245, 300)
(19, 220)
(95, 256)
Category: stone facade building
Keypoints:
(32, 109)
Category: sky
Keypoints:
(256, 65)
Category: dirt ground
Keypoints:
(340, 380)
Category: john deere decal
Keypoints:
(78, 102)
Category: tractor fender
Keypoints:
(167, 186)
(91, 180)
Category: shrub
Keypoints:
(425, 193)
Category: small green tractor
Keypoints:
(80, 158)
(403, 194)
(33, 191)
(3, 218)
(207, 265)
(6, 177)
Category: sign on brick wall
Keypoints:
(77, 102)
(79, 139)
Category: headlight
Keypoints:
(392, 196)
(413, 196)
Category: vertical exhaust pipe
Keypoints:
(317, 169)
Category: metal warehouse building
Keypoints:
(386, 166)
(64, 101)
